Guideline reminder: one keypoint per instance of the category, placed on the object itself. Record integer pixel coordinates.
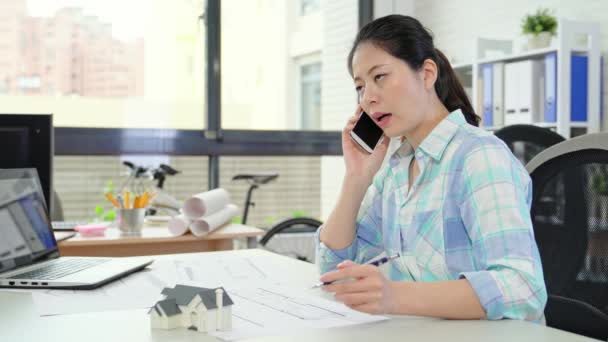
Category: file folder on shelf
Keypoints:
(551, 87)
(578, 88)
(488, 107)
(498, 94)
(523, 89)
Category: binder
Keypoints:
(551, 87)
(498, 94)
(522, 92)
(578, 88)
(488, 108)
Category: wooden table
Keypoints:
(156, 240)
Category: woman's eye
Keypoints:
(379, 77)
(358, 89)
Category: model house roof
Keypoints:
(183, 295)
(168, 306)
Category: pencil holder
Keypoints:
(131, 221)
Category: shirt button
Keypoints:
(419, 154)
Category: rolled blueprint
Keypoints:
(206, 203)
(179, 225)
(205, 225)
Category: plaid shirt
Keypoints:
(467, 215)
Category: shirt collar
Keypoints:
(438, 140)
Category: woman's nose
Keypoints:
(368, 97)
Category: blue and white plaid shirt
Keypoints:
(467, 215)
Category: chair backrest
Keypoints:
(570, 218)
(293, 237)
(526, 141)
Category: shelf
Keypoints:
(544, 125)
(526, 55)
(460, 66)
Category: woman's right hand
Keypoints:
(361, 165)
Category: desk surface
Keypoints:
(19, 321)
(155, 240)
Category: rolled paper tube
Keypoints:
(206, 203)
(205, 225)
(179, 225)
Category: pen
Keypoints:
(378, 262)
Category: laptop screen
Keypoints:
(25, 231)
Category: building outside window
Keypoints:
(310, 96)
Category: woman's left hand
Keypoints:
(367, 291)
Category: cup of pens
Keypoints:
(131, 213)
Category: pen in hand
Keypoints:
(377, 262)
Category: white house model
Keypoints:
(195, 308)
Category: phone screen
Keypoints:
(367, 130)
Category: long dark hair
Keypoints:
(405, 38)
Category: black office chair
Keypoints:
(526, 141)
(293, 237)
(570, 218)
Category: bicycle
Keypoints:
(295, 229)
(162, 201)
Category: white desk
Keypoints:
(19, 321)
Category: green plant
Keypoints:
(541, 21)
(104, 215)
(101, 214)
(599, 183)
(298, 213)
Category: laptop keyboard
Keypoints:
(60, 268)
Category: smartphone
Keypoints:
(366, 133)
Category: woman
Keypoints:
(452, 201)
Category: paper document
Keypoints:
(277, 310)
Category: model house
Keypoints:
(195, 308)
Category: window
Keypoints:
(310, 96)
(296, 192)
(266, 81)
(142, 71)
(80, 181)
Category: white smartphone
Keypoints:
(366, 133)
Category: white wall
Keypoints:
(338, 96)
(386, 7)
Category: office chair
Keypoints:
(56, 208)
(293, 237)
(570, 219)
(526, 141)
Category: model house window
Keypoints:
(309, 6)
(310, 96)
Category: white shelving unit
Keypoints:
(573, 37)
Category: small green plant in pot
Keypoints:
(539, 27)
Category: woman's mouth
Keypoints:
(382, 119)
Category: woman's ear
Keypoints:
(430, 72)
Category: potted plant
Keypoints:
(539, 28)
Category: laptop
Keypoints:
(29, 257)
